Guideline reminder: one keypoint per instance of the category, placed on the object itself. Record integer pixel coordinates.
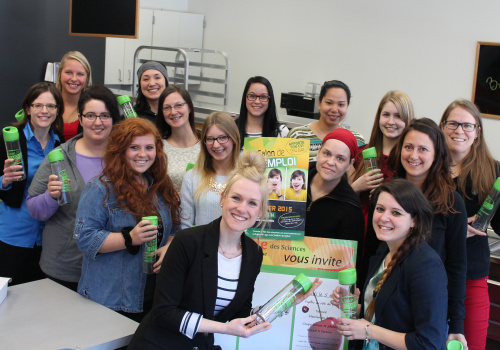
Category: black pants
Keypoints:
(19, 263)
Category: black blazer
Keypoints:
(188, 282)
(414, 298)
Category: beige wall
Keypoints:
(425, 48)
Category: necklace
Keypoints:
(231, 255)
(215, 187)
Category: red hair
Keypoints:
(131, 196)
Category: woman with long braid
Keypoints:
(405, 298)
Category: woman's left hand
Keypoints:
(160, 253)
(303, 297)
(352, 329)
(471, 231)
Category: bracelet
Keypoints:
(367, 339)
(132, 249)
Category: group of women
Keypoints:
(409, 216)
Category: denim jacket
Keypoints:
(113, 279)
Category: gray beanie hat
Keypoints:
(152, 65)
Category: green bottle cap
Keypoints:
(454, 345)
(496, 185)
(347, 276)
(304, 282)
(153, 219)
(56, 155)
(123, 99)
(369, 153)
(10, 133)
(20, 115)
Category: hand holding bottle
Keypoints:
(54, 186)
(11, 173)
(143, 232)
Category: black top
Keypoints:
(337, 215)
(448, 240)
(478, 250)
(146, 113)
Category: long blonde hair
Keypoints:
(405, 109)
(478, 163)
(204, 165)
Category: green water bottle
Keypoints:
(126, 104)
(149, 251)
(58, 167)
(13, 147)
(348, 298)
(488, 209)
(454, 345)
(20, 115)
(370, 159)
(284, 300)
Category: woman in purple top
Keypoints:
(61, 259)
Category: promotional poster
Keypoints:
(311, 325)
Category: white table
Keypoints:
(46, 315)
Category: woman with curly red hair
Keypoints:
(109, 228)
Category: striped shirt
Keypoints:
(227, 281)
(305, 132)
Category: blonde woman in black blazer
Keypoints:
(186, 310)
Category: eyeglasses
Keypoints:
(221, 139)
(92, 117)
(467, 127)
(262, 98)
(38, 107)
(177, 106)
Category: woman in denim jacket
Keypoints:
(109, 230)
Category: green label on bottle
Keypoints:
(348, 306)
(63, 176)
(284, 304)
(16, 155)
(488, 203)
(150, 254)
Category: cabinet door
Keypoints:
(113, 66)
(165, 34)
(145, 35)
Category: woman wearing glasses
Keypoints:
(61, 259)
(181, 143)
(73, 76)
(152, 82)
(334, 99)
(474, 171)
(20, 234)
(422, 157)
(258, 116)
(202, 186)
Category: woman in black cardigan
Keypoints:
(39, 133)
